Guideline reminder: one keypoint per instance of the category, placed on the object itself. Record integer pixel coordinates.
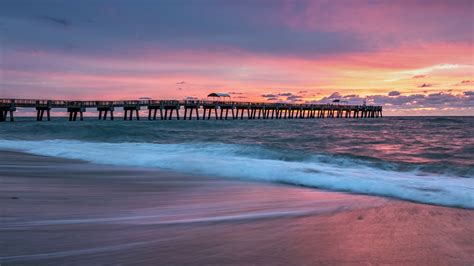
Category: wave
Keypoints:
(257, 163)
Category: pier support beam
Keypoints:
(73, 108)
(128, 110)
(73, 111)
(4, 115)
(191, 109)
(207, 111)
(41, 107)
(6, 110)
(104, 110)
(7, 106)
(166, 109)
(153, 111)
(40, 113)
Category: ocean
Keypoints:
(421, 159)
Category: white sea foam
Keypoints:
(237, 161)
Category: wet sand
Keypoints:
(56, 211)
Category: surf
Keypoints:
(252, 162)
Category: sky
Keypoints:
(413, 57)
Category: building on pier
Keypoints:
(219, 96)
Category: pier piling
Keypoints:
(7, 107)
(129, 107)
(104, 108)
(73, 108)
(42, 106)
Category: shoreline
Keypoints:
(70, 211)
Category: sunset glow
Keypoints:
(413, 57)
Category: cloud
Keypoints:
(394, 93)
(283, 94)
(350, 96)
(269, 95)
(388, 22)
(294, 98)
(123, 27)
(191, 98)
(51, 48)
(425, 85)
(56, 21)
(419, 76)
(438, 100)
(283, 97)
(236, 93)
(335, 95)
(272, 99)
(465, 83)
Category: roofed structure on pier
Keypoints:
(219, 95)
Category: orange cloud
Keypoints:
(179, 74)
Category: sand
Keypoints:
(56, 211)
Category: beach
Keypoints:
(205, 132)
(60, 211)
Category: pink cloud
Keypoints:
(414, 19)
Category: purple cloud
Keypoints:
(56, 21)
(283, 97)
(335, 95)
(272, 98)
(425, 85)
(191, 98)
(294, 98)
(435, 100)
(465, 83)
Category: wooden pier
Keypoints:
(219, 110)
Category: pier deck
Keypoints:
(167, 108)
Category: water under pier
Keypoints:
(193, 109)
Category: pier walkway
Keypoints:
(193, 109)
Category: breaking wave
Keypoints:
(257, 163)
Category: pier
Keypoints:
(193, 109)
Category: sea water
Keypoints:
(421, 159)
